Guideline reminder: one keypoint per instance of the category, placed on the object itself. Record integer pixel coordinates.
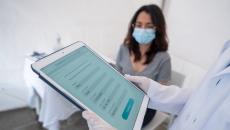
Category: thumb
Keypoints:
(86, 114)
(89, 116)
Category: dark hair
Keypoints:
(159, 44)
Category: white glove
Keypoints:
(95, 123)
(141, 81)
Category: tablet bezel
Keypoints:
(38, 65)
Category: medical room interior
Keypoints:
(31, 29)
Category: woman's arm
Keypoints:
(165, 71)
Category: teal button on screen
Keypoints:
(128, 108)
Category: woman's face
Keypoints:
(144, 21)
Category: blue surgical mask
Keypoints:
(144, 36)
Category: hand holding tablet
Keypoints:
(95, 123)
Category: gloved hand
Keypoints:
(141, 81)
(95, 123)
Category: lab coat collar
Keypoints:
(225, 47)
(225, 71)
(223, 62)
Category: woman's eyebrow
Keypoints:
(139, 22)
(150, 23)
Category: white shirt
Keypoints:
(206, 108)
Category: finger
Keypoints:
(132, 78)
(94, 122)
(104, 127)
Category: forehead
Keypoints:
(144, 17)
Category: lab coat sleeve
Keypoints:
(170, 99)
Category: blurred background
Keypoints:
(197, 29)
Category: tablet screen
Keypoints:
(98, 86)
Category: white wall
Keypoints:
(27, 25)
(197, 29)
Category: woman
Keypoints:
(144, 50)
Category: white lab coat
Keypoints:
(206, 108)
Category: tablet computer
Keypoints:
(88, 81)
